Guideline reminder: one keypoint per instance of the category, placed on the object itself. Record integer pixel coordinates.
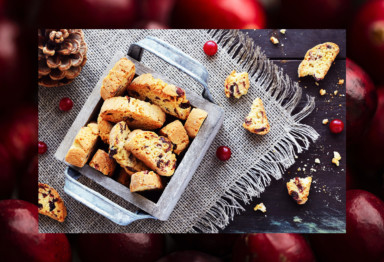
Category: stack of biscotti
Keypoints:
(142, 146)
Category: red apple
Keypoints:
(218, 14)
(149, 25)
(20, 133)
(20, 239)
(361, 102)
(89, 13)
(120, 247)
(188, 256)
(14, 71)
(365, 232)
(156, 10)
(367, 38)
(275, 247)
(216, 244)
(372, 146)
(28, 182)
(315, 13)
(7, 174)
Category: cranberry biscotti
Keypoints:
(137, 113)
(119, 77)
(154, 150)
(50, 203)
(171, 99)
(256, 122)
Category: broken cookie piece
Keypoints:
(318, 60)
(50, 203)
(256, 122)
(298, 189)
(260, 207)
(236, 84)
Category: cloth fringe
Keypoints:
(284, 93)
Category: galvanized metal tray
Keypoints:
(163, 207)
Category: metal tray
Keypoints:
(166, 203)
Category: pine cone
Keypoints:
(61, 55)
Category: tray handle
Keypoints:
(97, 202)
(175, 57)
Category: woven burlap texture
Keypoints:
(217, 190)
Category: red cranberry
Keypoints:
(66, 104)
(210, 48)
(42, 147)
(223, 153)
(336, 126)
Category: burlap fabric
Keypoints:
(217, 189)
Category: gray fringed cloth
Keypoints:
(218, 190)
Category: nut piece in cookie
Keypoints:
(171, 99)
(155, 151)
(195, 121)
(298, 189)
(50, 203)
(318, 60)
(137, 113)
(145, 180)
(103, 163)
(84, 144)
(119, 77)
(104, 129)
(176, 132)
(236, 84)
(256, 122)
(117, 139)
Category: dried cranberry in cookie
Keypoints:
(50, 203)
(256, 122)
(236, 84)
(171, 99)
(155, 151)
(298, 189)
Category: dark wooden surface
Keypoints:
(325, 209)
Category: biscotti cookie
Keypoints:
(195, 121)
(103, 163)
(124, 178)
(256, 122)
(84, 144)
(176, 132)
(236, 84)
(104, 129)
(318, 60)
(171, 99)
(155, 151)
(117, 139)
(119, 77)
(137, 113)
(145, 180)
(50, 203)
(298, 189)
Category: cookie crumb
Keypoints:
(274, 40)
(336, 158)
(325, 121)
(335, 92)
(322, 92)
(317, 161)
(341, 82)
(299, 169)
(283, 31)
(316, 83)
(260, 207)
